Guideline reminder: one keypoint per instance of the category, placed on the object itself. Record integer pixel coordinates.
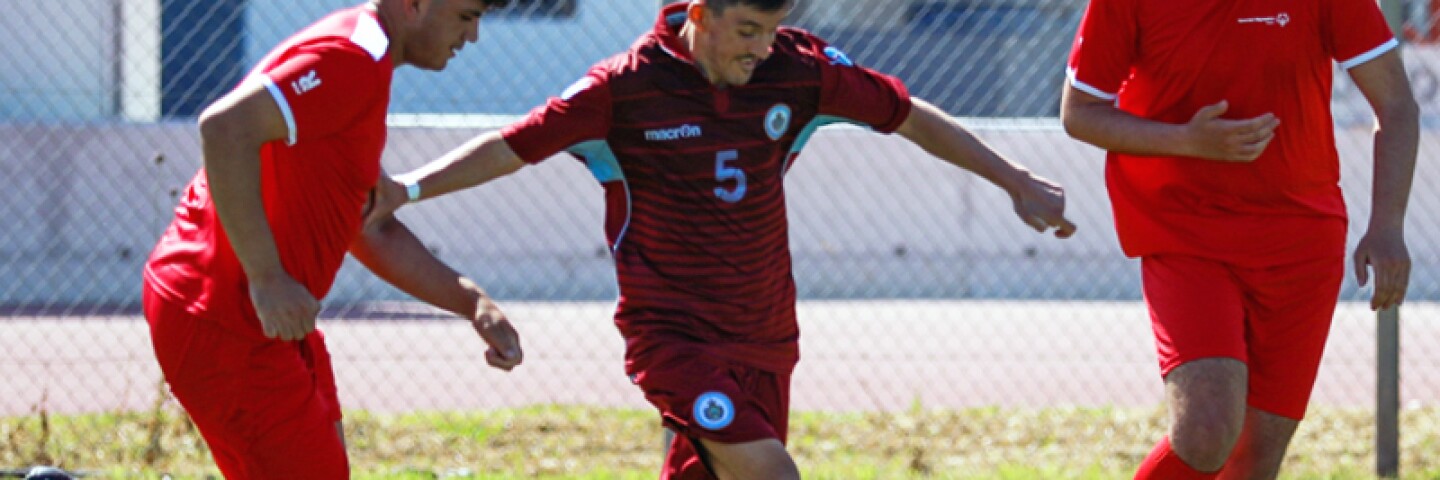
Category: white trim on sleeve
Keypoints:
(1087, 88)
(284, 106)
(1370, 55)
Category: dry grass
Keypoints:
(585, 442)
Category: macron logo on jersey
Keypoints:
(671, 134)
(1281, 19)
(306, 83)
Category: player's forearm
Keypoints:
(1396, 140)
(1100, 124)
(232, 167)
(480, 160)
(940, 135)
(397, 256)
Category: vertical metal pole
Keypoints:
(1387, 335)
(1387, 394)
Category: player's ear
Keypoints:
(695, 13)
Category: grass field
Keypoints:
(593, 443)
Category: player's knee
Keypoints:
(762, 459)
(1204, 447)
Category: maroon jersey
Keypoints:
(695, 202)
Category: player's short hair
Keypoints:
(497, 3)
(762, 5)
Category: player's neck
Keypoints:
(687, 42)
(389, 23)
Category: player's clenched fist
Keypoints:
(387, 197)
(495, 329)
(1040, 203)
(286, 309)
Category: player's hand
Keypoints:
(495, 329)
(387, 197)
(286, 309)
(1040, 203)
(1385, 253)
(1215, 138)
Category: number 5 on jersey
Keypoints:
(725, 173)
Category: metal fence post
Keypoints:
(1387, 394)
(1387, 333)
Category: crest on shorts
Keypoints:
(714, 410)
(777, 121)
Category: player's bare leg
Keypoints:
(1207, 410)
(758, 459)
(1262, 447)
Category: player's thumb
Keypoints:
(1213, 111)
(1362, 268)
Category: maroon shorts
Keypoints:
(1275, 319)
(267, 408)
(700, 397)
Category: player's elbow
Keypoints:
(1069, 117)
(1398, 110)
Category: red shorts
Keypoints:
(699, 397)
(1275, 319)
(267, 408)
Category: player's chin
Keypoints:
(434, 65)
(741, 78)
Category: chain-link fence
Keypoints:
(917, 284)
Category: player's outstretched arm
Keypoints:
(480, 160)
(1039, 202)
(396, 255)
(232, 130)
(1397, 133)
(1098, 122)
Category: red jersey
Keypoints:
(1164, 60)
(692, 173)
(332, 84)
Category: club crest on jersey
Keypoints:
(777, 121)
(838, 57)
(714, 410)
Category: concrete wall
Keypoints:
(871, 215)
(540, 57)
(58, 59)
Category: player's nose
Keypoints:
(472, 34)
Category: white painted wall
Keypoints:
(84, 204)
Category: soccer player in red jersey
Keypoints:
(1224, 179)
(690, 133)
(291, 156)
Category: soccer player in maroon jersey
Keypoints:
(1224, 178)
(291, 156)
(690, 133)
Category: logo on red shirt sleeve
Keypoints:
(306, 83)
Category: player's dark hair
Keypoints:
(497, 3)
(762, 5)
